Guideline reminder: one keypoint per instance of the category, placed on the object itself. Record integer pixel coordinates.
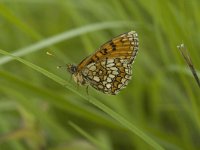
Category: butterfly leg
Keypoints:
(87, 89)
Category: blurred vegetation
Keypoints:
(41, 108)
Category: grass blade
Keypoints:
(124, 122)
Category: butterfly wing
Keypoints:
(109, 68)
(124, 46)
(108, 75)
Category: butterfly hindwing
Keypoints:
(108, 75)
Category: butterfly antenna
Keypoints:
(58, 67)
(51, 54)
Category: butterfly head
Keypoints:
(71, 68)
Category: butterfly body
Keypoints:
(109, 69)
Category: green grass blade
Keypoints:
(95, 102)
(64, 36)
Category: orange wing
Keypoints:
(124, 46)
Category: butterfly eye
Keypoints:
(71, 68)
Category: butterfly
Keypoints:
(109, 69)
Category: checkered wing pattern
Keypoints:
(109, 69)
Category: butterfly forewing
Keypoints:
(109, 68)
(124, 46)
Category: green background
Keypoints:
(42, 108)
